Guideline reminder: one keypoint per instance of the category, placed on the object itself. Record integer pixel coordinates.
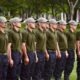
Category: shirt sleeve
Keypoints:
(24, 36)
(10, 37)
(77, 35)
(36, 35)
(57, 36)
(47, 35)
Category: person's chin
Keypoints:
(18, 27)
(3, 27)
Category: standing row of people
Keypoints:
(44, 48)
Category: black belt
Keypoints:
(50, 50)
(30, 51)
(40, 51)
(62, 50)
(71, 49)
(5, 54)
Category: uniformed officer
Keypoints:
(51, 48)
(40, 48)
(62, 41)
(78, 54)
(71, 38)
(29, 44)
(14, 49)
(3, 49)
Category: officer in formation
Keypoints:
(78, 54)
(14, 49)
(39, 51)
(51, 48)
(71, 38)
(3, 49)
(63, 54)
(29, 48)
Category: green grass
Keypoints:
(73, 74)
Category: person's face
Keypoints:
(73, 27)
(54, 26)
(63, 26)
(43, 25)
(2, 24)
(32, 25)
(17, 24)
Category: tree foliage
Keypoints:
(27, 8)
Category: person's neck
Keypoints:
(41, 29)
(62, 30)
(52, 29)
(2, 30)
(30, 29)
